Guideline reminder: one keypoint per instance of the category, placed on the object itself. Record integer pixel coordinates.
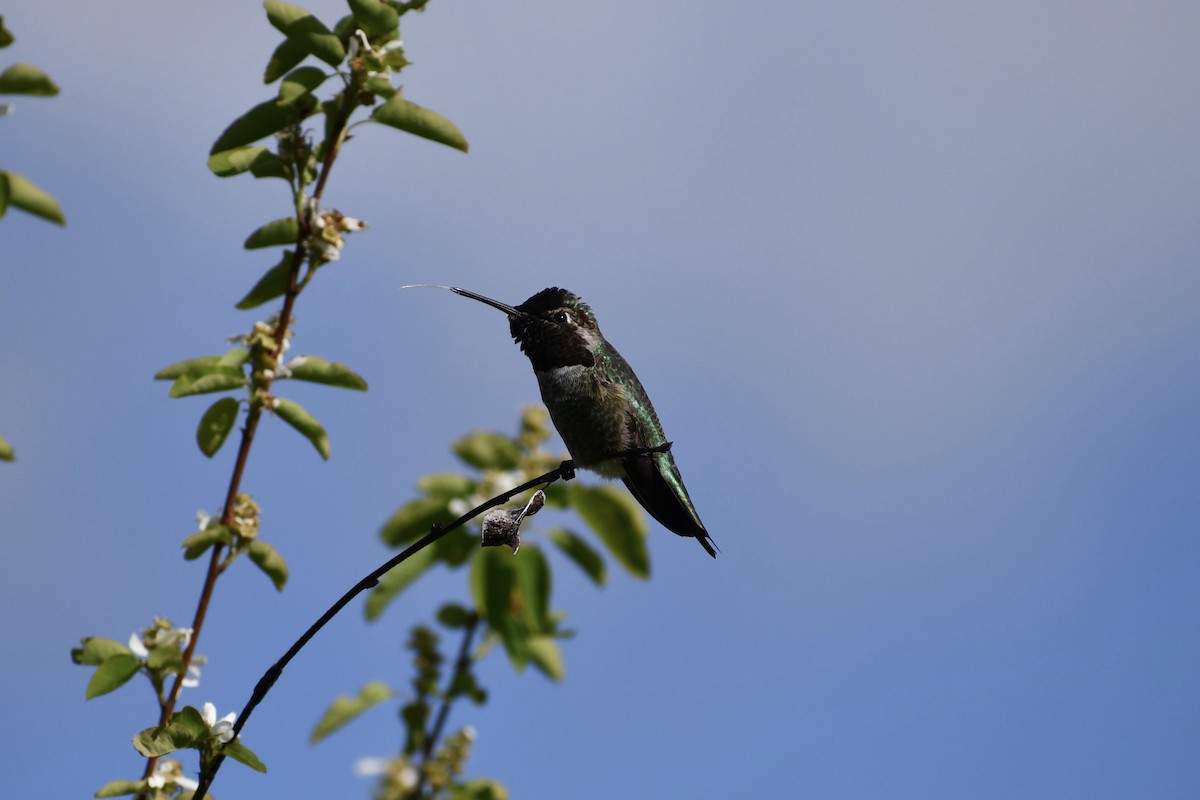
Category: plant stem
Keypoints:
(461, 665)
(254, 415)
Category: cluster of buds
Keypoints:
(161, 646)
(448, 764)
(327, 237)
(245, 519)
(266, 353)
(376, 59)
(397, 776)
(169, 779)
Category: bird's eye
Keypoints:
(561, 317)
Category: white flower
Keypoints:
(221, 729)
(469, 733)
(137, 646)
(369, 767)
(202, 519)
(170, 771)
(507, 481)
(192, 679)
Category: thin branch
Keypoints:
(565, 471)
(254, 415)
(461, 665)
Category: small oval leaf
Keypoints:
(586, 557)
(488, 450)
(113, 673)
(259, 161)
(272, 284)
(618, 521)
(26, 79)
(243, 755)
(264, 119)
(331, 373)
(305, 30)
(23, 193)
(412, 118)
(216, 424)
(300, 82)
(413, 520)
(268, 559)
(187, 365)
(344, 709)
(287, 55)
(276, 232)
(207, 380)
(397, 580)
(294, 414)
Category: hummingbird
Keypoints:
(598, 405)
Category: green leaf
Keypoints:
(330, 373)
(533, 579)
(216, 424)
(407, 116)
(488, 450)
(264, 119)
(344, 709)
(300, 82)
(546, 655)
(6, 38)
(96, 650)
(198, 543)
(271, 285)
(6, 451)
(375, 17)
(294, 414)
(183, 367)
(112, 674)
(493, 586)
(243, 755)
(162, 658)
(205, 380)
(380, 84)
(305, 30)
(26, 79)
(268, 559)
(184, 729)
(287, 55)
(618, 521)
(235, 357)
(284, 230)
(446, 484)
(19, 191)
(480, 789)
(586, 557)
(397, 579)
(413, 520)
(120, 788)
(453, 615)
(258, 161)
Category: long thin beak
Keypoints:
(507, 309)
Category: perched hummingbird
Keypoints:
(598, 404)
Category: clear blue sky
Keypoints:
(914, 288)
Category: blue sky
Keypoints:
(914, 290)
